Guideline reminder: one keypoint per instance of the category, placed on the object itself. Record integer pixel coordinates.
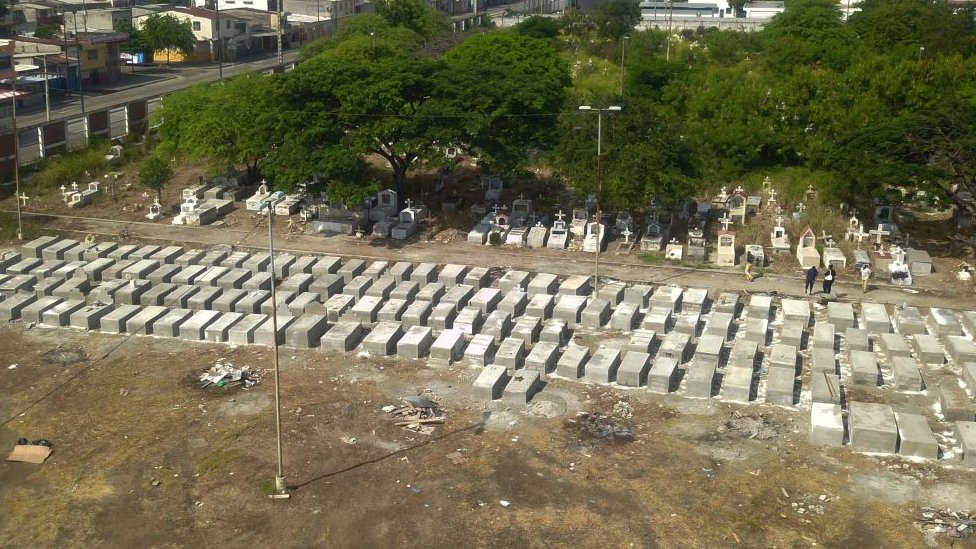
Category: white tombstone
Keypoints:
(779, 238)
(93, 186)
(559, 234)
(832, 255)
(674, 250)
(726, 248)
(155, 211)
(806, 249)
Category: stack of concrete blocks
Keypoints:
(826, 424)
(928, 349)
(840, 315)
(491, 382)
(522, 386)
(480, 351)
(343, 336)
(602, 366)
(873, 427)
(543, 357)
(415, 343)
(633, 369)
(448, 347)
(511, 353)
(909, 321)
(573, 361)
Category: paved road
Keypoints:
(627, 268)
(151, 82)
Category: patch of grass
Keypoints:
(8, 227)
(218, 460)
(72, 166)
(266, 485)
(651, 258)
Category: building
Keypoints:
(94, 20)
(215, 33)
(91, 57)
(25, 18)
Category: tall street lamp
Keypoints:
(599, 182)
(13, 102)
(623, 55)
(281, 489)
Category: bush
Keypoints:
(72, 166)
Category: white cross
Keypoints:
(560, 215)
(739, 189)
(801, 207)
(824, 236)
(626, 232)
(74, 186)
(23, 199)
(495, 209)
(409, 203)
(879, 233)
(779, 211)
(860, 235)
(772, 195)
(779, 220)
(767, 182)
(521, 196)
(63, 188)
(725, 221)
(853, 222)
(830, 241)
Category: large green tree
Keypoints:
(415, 15)
(165, 31)
(615, 18)
(155, 173)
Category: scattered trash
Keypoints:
(751, 426)
(954, 524)
(12, 366)
(504, 503)
(123, 392)
(65, 356)
(603, 427)
(389, 408)
(417, 414)
(709, 473)
(457, 458)
(224, 373)
(348, 440)
(31, 451)
(415, 489)
(155, 482)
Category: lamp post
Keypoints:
(623, 55)
(281, 489)
(13, 103)
(281, 33)
(599, 181)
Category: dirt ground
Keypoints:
(143, 458)
(639, 470)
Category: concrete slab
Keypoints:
(928, 349)
(351, 269)
(448, 347)
(498, 324)
(180, 297)
(75, 288)
(909, 321)
(99, 250)
(459, 296)
(658, 319)
(510, 353)
(513, 280)
(327, 285)
(42, 288)
(326, 264)
(944, 322)
(22, 283)
(710, 349)
(343, 336)
(188, 275)
(227, 299)
(961, 349)
(144, 321)
(382, 340)
(490, 383)
(738, 384)
(302, 264)
(257, 263)
(864, 368)
(442, 316)
(298, 283)
(699, 379)
(32, 312)
(667, 297)
(572, 362)
(266, 334)
(432, 292)
(543, 357)
(189, 257)
(743, 354)
(486, 299)
(282, 265)
(856, 339)
(164, 274)
(695, 300)
(797, 310)
(894, 345)
(7, 259)
(405, 290)
(452, 274)
(915, 436)
(781, 387)
(966, 434)
(760, 306)
(954, 403)
(251, 303)
(578, 285)
(392, 310)
(825, 388)
(195, 327)
(58, 315)
(425, 273)
(213, 258)
(115, 321)
(663, 376)
(624, 317)
(555, 331)
(477, 277)
(145, 252)
(469, 320)
(612, 292)
(211, 276)
(793, 332)
(873, 427)
(416, 314)
(757, 329)
(905, 374)
(528, 329)
(47, 269)
(306, 331)
(376, 269)
(367, 309)
(634, 368)
(543, 283)
(969, 375)
(167, 255)
(219, 330)
(204, 298)
(824, 360)
(603, 365)
(823, 337)
(522, 387)
(826, 424)
(514, 303)
(24, 266)
(123, 252)
(36, 247)
(595, 314)
(358, 286)
(95, 270)
(401, 271)
(169, 324)
(783, 357)
(726, 302)
(85, 318)
(641, 341)
(480, 351)
(687, 323)
(719, 325)
(541, 306)
(569, 308)
(115, 270)
(874, 318)
(56, 250)
(677, 346)
(841, 315)
(968, 319)
(382, 287)
(242, 332)
(336, 306)
(638, 295)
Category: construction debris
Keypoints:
(954, 524)
(417, 414)
(224, 373)
(31, 451)
(751, 426)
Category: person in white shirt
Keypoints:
(865, 275)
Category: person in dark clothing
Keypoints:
(811, 279)
(829, 276)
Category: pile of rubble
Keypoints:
(417, 414)
(954, 524)
(751, 426)
(223, 374)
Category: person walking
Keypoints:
(829, 276)
(865, 275)
(811, 279)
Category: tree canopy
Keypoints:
(165, 31)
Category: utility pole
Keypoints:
(599, 183)
(623, 55)
(220, 43)
(81, 91)
(13, 102)
(281, 488)
(281, 32)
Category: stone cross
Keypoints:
(739, 189)
(800, 208)
(723, 194)
(495, 209)
(779, 220)
(830, 241)
(23, 199)
(879, 233)
(772, 195)
(860, 235)
(824, 236)
(560, 215)
(779, 211)
(63, 189)
(74, 186)
(409, 203)
(521, 196)
(626, 232)
(725, 221)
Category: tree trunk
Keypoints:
(159, 195)
(399, 177)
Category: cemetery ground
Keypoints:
(142, 457)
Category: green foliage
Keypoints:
(615, 18)
(71, 167)
(576, 24)
(415, 15)
(901, 27)
(538, 26)
(136, 41)
(352, 193)
(155, 173)
(168, 32)
(48, 31)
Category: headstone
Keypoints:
(542, 358)
(826, 424)
(874, 318)
(915, 438)
(895, 345)
(699, 380)
(928, 349)
(572, 362)
(806, 249)
(909, 321)
(737, 384)
(823, 337)
(840, 315)
(873, 427)
(543, 283)
(781, 387)
(797, 309)
(343, 336)
(864, 368)
(480, 351)
(905, 374)
(944, 322)
(857, 339)
(448, 347)
(491, 382)
(415, 343)
(825, 388)
(416, 314)
(602, 366)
